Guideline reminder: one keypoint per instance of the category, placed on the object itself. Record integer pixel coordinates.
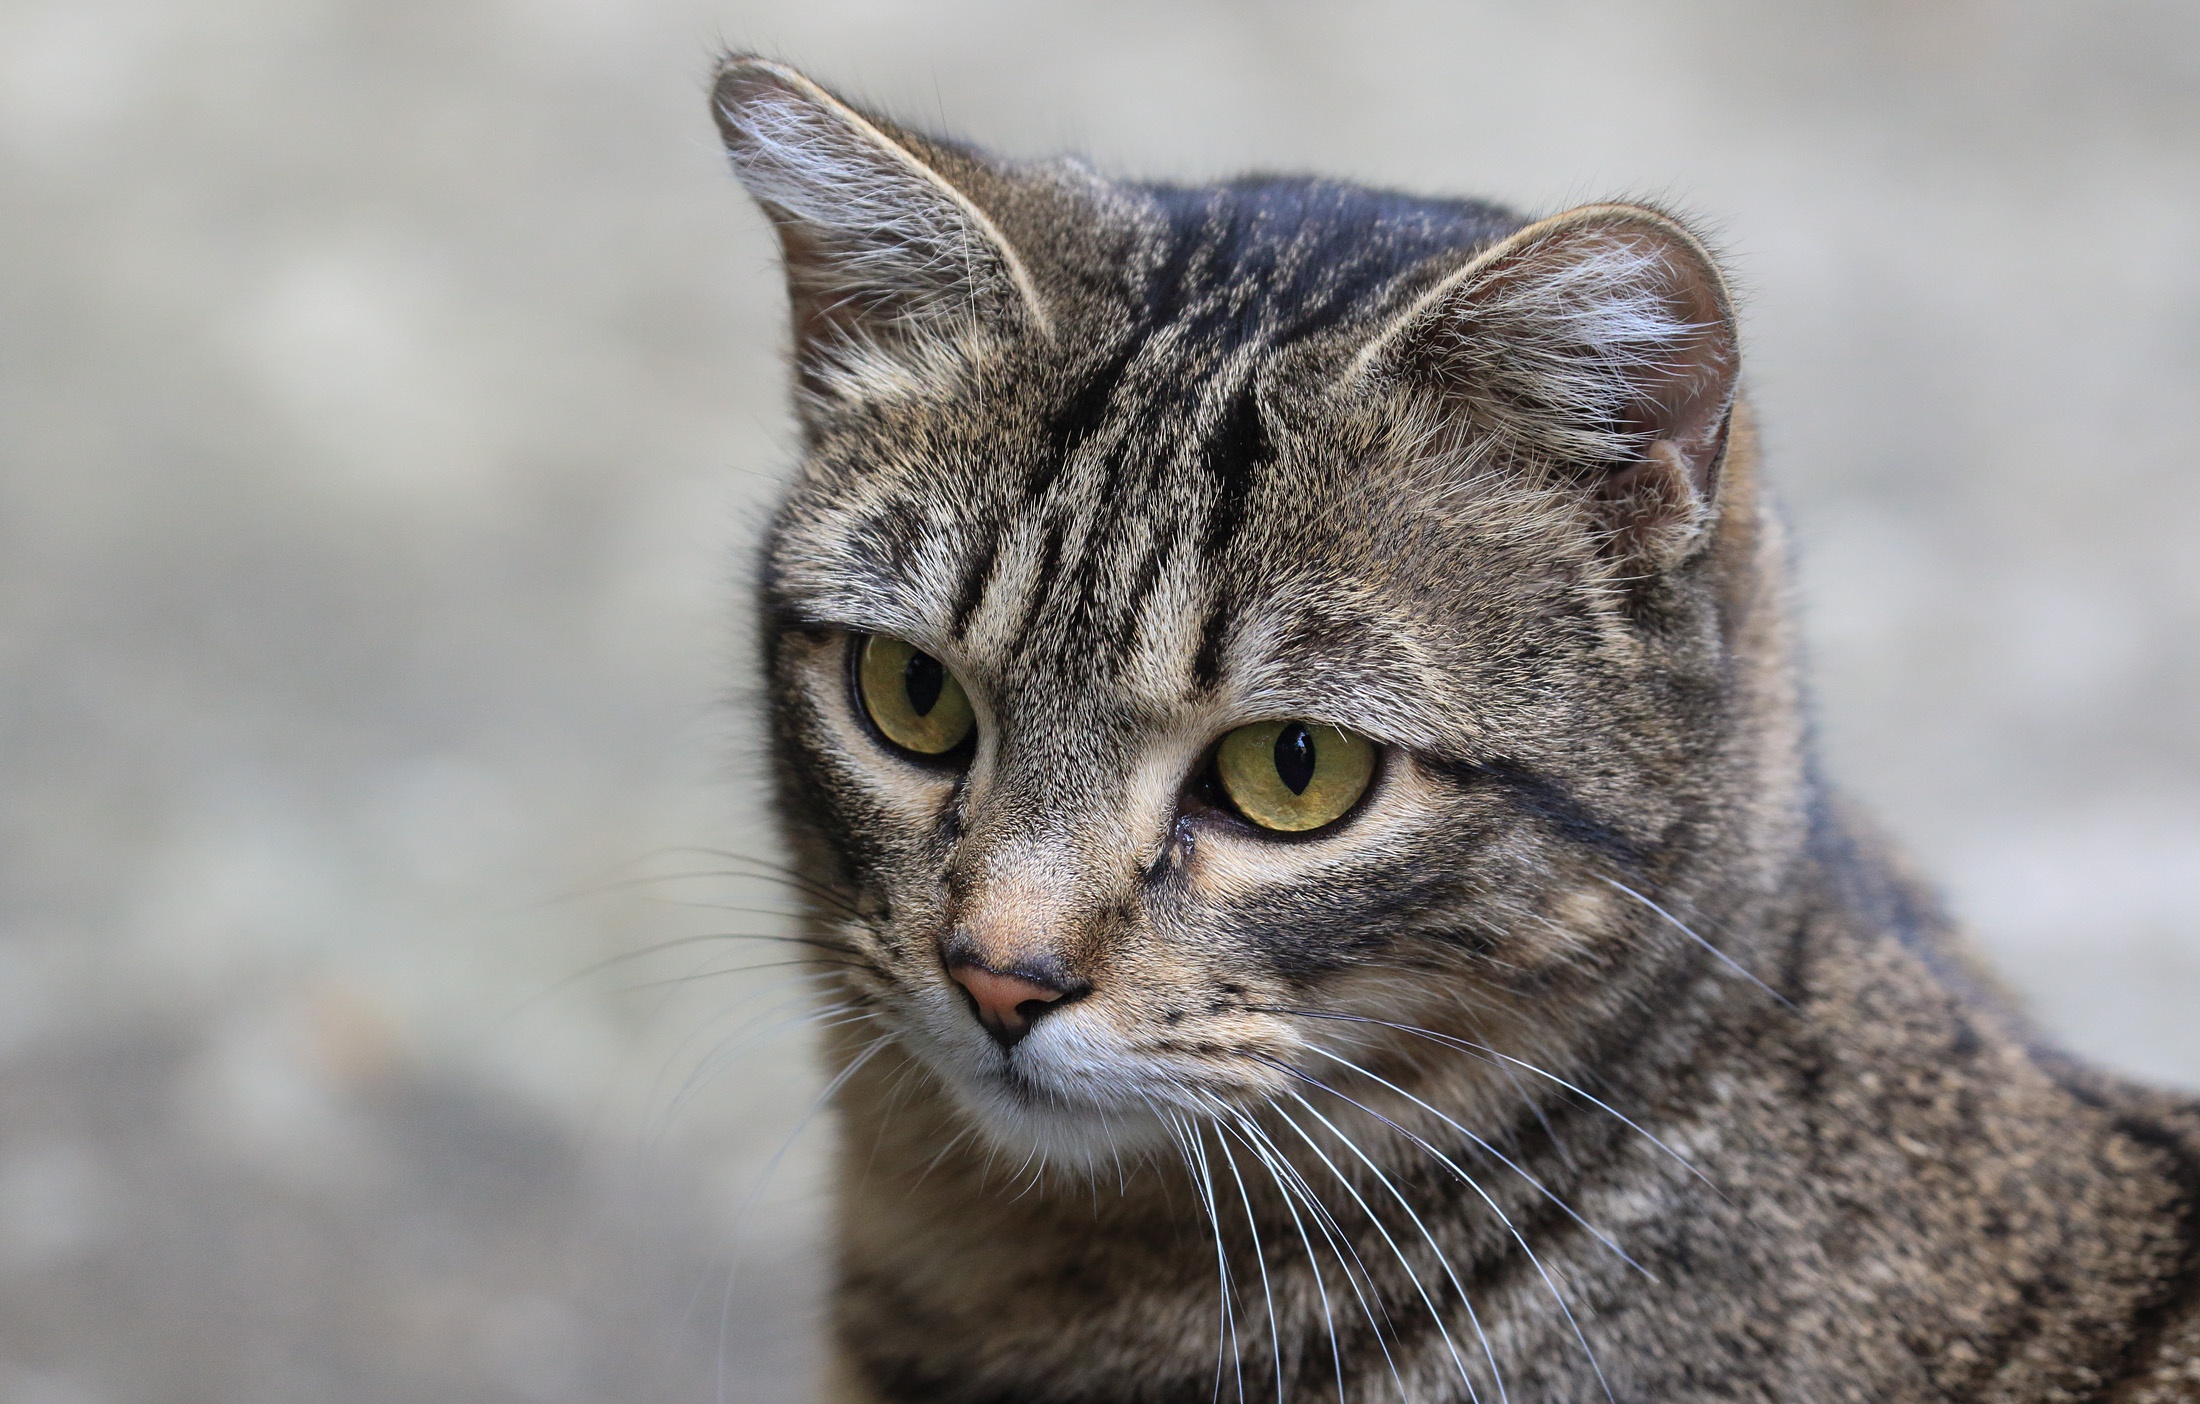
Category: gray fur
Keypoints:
(1598, 1053)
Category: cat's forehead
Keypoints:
(1090, 523)
(1150, 501)
(1182, 550)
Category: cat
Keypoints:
(1285, 708)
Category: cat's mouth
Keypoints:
(1071, 1090)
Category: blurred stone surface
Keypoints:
(388, 402)
(439, 1243)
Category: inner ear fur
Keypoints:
(881, 249)
(1599, 345)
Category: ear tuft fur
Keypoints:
(1599, 344)
(880, 247)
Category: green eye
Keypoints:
(912, 698)
(1294, 775)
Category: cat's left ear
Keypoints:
(1598, 344)
(883, 250)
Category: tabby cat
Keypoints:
(1285, 706)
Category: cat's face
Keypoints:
(1193, 654)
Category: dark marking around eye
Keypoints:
(1295, 757)
(1545, 800)
(922, 677)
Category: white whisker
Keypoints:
(1483, 1050)
(744, 1040)
(1484, 1195)
(1443, 1260)
(1260, 1254)
(763, 1179)
(1254, 1141)
(1484, 1145)
(1435, 1316)
(1340, 1243)
(1731, 963)
(1222, 1264)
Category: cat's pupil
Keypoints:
(921, 678)
(1295, 757)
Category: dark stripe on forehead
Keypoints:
(1079, 418)
(1165, 291)
(1255, 263)
(1163, 299)
(1086, 409)
(885, 539)
(1124, 635)
(1303, 255)
(1265, 259)
(977, 574)
(1233, 456)
(1042, 580)
(1213, 630)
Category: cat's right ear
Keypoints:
(883, 253)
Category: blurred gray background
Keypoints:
(389, 397)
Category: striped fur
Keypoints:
(1596, 1053)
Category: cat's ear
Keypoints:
(881, 249)
(1599, 344)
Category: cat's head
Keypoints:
(1209, 619)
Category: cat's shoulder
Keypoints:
(2120, 1160)
(2163, 1366)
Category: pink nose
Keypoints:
(1006, 1004)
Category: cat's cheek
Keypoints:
(1587, 916)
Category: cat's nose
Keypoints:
(1005, 1003)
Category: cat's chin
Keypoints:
(1032, 1127)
